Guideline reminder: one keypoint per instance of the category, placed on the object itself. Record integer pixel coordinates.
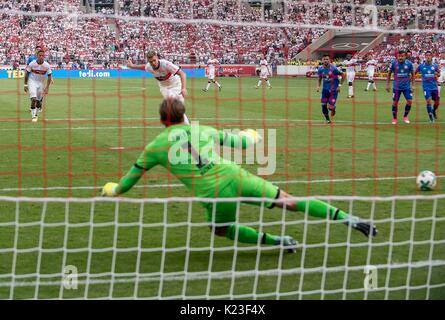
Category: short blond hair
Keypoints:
(151, 54)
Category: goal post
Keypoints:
(62, 248)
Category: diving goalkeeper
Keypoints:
(209, 176)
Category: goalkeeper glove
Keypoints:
(109, 190)
(252, 135)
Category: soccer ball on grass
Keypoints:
(426, 181)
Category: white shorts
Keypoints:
(173, 90)
(211, 75)
(442, 76)
(35, 89)
(263, 75)
(370, 75)
(350, 76)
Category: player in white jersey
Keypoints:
(171, 79)
(350, 65)
(442, 70)
(264, 73)
(34, 81)
(371, 64)
(211, 68)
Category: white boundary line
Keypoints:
(203, 275)
(225, 119)
(178, 185)
(313, 122)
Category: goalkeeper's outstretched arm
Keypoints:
(144, 163)
(244, 139)
(112, 189)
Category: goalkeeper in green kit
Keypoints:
(207, 175)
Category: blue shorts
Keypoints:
(396, 93)
(433, 94)
(329, 96)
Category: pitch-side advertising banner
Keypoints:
(96, 73)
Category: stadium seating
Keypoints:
(108, 41)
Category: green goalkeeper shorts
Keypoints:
(243, 185)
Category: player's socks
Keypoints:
(407, 110)
(33, 112)
(268, 84)
(369, 84)
(39, 105)
(325, 111)
(208, 86)
(394, 112)
(219, 86)
(350, 90)
(259, 83)
(249, 235)
(429, 109)
(320, 209)
(436, 106)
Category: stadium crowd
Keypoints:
(73, 41)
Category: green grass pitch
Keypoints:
(92, 130)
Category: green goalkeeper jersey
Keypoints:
(188, 152)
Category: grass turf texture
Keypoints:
(92, 130)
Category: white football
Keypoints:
(426, 181)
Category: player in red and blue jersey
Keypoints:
(430, 74)
(331, 86)
(403, 79)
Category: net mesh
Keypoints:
(169, 263)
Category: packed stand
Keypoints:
(73, 41)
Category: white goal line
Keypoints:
(180, 185)
(205, 275)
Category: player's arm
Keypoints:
(343, 77)
(388, 79)
(183, 77)
(131, 65)
(145, 162)
(25, 86)
(243, 140)
(413, 76)
(319, 82)
(49, 81)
